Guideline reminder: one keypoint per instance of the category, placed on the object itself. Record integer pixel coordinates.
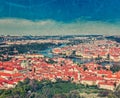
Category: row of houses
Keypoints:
(100, 48)
(66, 70)
(41, 68)
(11, 73)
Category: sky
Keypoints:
(59, 17)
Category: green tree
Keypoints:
(74, 94)
(60, 96)
(111, 95)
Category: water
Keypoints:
(48, 53)
(81, 60)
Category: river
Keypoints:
(48, 53)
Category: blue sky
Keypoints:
(59, 17)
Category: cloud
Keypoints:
(51, 27)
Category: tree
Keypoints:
(27, 81)
(115, 68)
(111, 95)
(103, 93)
(108, 56)
(117, 91)
(59, 96)
(74, 94)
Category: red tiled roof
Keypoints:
(9, 68)
(2, 80)
(5, 74)
(107, 83)
(17, 75)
